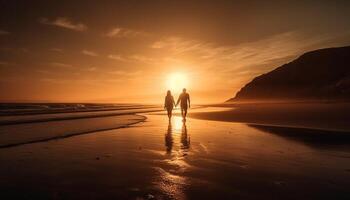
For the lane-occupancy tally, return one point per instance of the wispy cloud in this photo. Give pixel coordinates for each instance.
(180, 45)
(4, 63)
(56, 49)
(83, 81)
(125, 33)
(2, 32)
(256, 56)
(142, 58)
(54, 80)
(46, 72)
(60, 65)
(116, 57)
(91, 69)
(64, 23)
(89, 53)
(15, 49)
(133, 58)
(125, 73)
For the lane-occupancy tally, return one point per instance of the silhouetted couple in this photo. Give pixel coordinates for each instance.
(184, 100)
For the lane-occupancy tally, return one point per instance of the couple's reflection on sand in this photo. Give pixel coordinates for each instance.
(173, 131)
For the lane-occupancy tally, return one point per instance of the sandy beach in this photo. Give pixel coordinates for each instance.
(307, 115)
(198, 159)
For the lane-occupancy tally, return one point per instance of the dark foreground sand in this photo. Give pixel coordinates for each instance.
(199, 159)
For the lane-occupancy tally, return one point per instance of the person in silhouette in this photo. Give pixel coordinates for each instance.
(183, 99)
(169, 103)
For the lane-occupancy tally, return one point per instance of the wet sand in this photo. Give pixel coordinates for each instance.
(198, 159)
(311, 115)
(24, 133)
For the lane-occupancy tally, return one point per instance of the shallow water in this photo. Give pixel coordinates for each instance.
(23, 133)
(35, 118)
(196, 159)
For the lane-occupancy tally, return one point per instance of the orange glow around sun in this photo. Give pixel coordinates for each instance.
(176, 82)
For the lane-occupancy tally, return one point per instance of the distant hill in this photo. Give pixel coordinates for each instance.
(321, 74)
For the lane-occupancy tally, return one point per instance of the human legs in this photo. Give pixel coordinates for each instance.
(170, 113)
(183, 111)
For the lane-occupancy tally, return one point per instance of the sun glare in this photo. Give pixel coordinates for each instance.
(177, 81)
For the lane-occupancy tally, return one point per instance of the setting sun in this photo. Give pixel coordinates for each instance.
(176, 81)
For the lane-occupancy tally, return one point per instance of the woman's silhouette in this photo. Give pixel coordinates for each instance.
(169, 104)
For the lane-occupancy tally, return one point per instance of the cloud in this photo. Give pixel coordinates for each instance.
(82, 81)
(256, 56)
(116, 57)
(54, 80)
(5, 63)
(125, 73)
(180, 45)
(14, 49)
(2, 32)
(134, 58)
(125, 33)
(91, 69)
(64, 23)
(141, 58)
(44, 72)
(56, 49)
(60, 65)
(89, 53)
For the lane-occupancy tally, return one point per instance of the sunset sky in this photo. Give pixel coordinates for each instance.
(133, 51)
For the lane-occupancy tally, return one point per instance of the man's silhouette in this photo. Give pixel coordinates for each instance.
(183, 99)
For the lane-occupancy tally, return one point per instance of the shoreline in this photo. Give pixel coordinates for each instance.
(61, 132)
(27, 119)
(326, 117)
(276, 125)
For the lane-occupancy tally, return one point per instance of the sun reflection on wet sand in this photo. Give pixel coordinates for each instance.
(178, 124)
(177, 135)
(177, 143)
